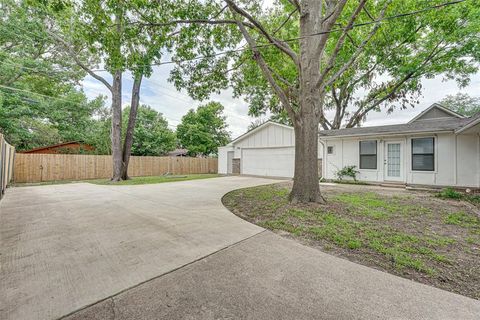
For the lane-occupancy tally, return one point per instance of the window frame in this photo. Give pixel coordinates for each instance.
(333, 149)
(367, 154)
(423, 154)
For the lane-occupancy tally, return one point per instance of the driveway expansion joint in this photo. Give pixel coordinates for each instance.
(112, 297)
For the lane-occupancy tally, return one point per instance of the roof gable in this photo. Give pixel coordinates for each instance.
(257, 129)
(436, 111)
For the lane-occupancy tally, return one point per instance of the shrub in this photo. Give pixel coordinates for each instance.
(347, 171)
(450, 193)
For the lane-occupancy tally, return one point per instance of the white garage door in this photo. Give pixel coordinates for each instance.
(272, 162)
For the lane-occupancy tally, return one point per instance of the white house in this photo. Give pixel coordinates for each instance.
(268, 150)
(438, 147)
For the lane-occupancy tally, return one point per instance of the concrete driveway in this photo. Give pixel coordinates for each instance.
(172, 251)
(64, 247)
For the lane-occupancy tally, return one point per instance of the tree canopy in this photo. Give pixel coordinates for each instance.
(39, 101)
(203, 130)
(333, 62)
(462, 103)
(386, 72)
(151, 136)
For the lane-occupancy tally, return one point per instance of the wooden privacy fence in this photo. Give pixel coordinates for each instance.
(7, 155)
(49, 167)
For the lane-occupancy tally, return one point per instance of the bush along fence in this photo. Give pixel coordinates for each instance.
(54, 167)
(7, 155)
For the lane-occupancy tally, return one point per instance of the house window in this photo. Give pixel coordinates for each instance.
(368, 154)
(330, 149)
(423, 156)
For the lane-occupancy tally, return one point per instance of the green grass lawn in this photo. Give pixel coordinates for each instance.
(153, 179)
(132, 181)
(411, 234)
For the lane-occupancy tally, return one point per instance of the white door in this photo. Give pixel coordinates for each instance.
(393, 161)
(270, 162)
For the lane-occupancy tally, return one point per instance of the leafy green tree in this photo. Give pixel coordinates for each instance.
(203, 130)
(98, 133)
(462, 103)
(307, 56)
(39, 101)
(151, 136)
(110, 33)
(94, 32)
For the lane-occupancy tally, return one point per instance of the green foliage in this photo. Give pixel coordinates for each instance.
(347, 171)
(386, 75)
(403, 250)
(203, 130)
(450, 193)
(39, 101)
(372, 205)
(463, 219)
(403, 233)
(462, 103)
(151, 136)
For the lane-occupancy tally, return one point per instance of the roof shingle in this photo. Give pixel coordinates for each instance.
(442, 124)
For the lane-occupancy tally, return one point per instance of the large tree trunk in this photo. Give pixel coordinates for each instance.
(117, 126)
(127, 145)
(305, 183)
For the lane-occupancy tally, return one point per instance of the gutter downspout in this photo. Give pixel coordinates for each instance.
(455, 160)
(478, 154)
(324, 160)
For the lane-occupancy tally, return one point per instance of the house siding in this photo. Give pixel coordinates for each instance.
(267, 151)
(270, 136)
(434, 114)
(223, 159)
(456, 160)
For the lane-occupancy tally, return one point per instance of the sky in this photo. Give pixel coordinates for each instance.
(161, 95)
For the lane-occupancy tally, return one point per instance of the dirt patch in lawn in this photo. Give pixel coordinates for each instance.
(412, 234)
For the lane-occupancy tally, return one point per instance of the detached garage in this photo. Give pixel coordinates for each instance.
(268, 150)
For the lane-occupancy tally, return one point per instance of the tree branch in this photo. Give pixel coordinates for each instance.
(279, 77)
(284, 22)
(295, 3)
(328, 23)
(266, 71)
(74, 55)
(357, 52)
(341, 40)
(191, 21)
(360, 113)
(283, 46)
